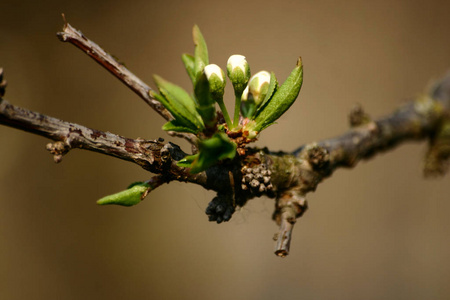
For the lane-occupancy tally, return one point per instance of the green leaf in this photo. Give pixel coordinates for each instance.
(273, 85)
(187, 161)
(213, 150)
(128, 197)
(189, 63)
(180, 99)
(201, 91)
(208, 114)
(201, 52)
(206, 104)
(174, 126)
(280, 102)
(179, 113)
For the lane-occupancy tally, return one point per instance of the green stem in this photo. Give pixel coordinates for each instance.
(237, 109)
(225, 113)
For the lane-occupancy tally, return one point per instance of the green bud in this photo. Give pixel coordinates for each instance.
(216, 79)
(129, 197)
(238, 71)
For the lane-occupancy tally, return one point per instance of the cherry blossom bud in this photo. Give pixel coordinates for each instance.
(255, 93)
(238, 71)
(216, 79)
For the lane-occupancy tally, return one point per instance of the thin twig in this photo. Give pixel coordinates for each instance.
(289, 206)
(145, 153)
(78, 39)
(152, 155)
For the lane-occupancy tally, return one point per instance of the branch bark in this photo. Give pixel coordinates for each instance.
(145, 153)
(427, 117)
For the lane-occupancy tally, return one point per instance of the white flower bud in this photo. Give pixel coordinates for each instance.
(258, 86)
(214, 69)
(237, 61)
(238, 71)
(216, 79)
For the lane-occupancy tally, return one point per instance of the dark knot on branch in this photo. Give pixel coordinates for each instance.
(317, 156)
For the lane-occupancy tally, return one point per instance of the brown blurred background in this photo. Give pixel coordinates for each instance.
(377, 231)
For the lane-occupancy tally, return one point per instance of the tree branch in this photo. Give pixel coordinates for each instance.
(152, 155)
(428, 117)
(288, 177)
(76, 38)
(145, 153)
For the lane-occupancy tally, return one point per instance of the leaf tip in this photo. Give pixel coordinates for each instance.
(196, 33)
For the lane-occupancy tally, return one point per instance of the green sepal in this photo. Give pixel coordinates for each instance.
(174, 126)
(201, 52)
(239, 79)
(213, 150)
(273, 85)
(216, 87)
(189, 63)
(129, 197)
(280, 102)
(179, 99)
(179, 113)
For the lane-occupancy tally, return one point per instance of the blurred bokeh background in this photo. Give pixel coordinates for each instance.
(379, 230)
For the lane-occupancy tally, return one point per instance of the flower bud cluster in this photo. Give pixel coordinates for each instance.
(259, 102)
